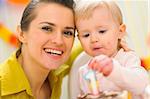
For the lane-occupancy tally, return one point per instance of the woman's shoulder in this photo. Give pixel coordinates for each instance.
(10, 59)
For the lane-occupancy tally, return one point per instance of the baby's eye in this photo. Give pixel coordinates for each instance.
(86, 35)
(68, 33)
(47, 28)
(102, 31)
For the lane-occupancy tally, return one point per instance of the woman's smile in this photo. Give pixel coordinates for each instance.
(54, 53)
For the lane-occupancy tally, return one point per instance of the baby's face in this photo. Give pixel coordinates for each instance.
(99, 34)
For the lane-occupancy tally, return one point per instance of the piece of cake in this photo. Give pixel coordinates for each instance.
(106, 95)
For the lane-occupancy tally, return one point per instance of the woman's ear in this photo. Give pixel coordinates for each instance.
(122, 31)
(21, 35)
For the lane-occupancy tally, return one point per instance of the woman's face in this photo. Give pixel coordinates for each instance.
(49, 39)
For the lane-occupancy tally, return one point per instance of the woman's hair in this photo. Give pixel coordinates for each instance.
(84, 9)
(29, 13)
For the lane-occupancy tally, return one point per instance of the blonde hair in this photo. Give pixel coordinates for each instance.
(84, 9)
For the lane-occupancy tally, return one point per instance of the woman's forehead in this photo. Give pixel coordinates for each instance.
(54, 13)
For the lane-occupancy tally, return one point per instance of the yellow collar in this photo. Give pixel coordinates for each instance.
(13, 78)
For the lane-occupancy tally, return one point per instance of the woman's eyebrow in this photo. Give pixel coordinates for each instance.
(48, 23)
(52, 24)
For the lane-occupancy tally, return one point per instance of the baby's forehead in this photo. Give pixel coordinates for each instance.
(91, 11)
(86, 11)
(99, 14)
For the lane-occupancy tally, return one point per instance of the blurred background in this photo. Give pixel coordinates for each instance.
(135, 14)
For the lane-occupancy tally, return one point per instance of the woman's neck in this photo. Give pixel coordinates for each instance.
(35, 73)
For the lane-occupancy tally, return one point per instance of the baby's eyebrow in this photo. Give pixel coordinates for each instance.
(83, 31)
(70, 28)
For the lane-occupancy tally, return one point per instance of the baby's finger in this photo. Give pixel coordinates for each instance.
(107, 70)
(107, 67)
(91, 64)
(96, 66)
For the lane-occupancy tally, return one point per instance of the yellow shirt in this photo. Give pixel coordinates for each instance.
(15, 85)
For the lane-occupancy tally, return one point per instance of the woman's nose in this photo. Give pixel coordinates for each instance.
(58, 39)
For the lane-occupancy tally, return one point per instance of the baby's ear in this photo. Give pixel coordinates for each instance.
(122, 31)
(20, 34)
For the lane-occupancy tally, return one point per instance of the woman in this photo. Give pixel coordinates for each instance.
(46, 34)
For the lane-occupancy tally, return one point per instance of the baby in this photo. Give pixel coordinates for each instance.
(100, 30)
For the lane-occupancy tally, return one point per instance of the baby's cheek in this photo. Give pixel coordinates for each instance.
(110, 44)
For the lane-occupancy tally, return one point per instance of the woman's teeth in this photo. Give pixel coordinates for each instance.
(57, 52)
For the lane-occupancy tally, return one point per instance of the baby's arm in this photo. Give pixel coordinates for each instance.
(128, 75)
(131, 76)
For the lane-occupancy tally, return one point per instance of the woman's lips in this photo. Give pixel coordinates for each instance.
(53, 51)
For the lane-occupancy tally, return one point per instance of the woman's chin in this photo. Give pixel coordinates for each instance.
(52, 66)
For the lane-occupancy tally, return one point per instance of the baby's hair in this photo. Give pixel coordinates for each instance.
(84, 9)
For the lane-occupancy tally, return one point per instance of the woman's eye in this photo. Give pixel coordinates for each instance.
(102, 31)
(68, 33)
(47, 28)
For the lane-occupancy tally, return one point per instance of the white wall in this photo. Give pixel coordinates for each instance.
(135, 14)
(10, 16)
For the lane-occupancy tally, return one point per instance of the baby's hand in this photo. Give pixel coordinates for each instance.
(102, 64)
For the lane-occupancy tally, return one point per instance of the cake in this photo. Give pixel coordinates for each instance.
(106, 95)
